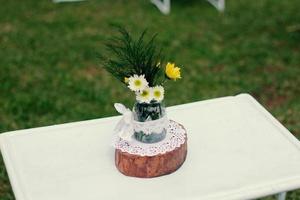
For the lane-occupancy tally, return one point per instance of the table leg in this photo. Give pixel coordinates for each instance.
(62, 1)
(163, 5)
(281, 196)
(219, 4)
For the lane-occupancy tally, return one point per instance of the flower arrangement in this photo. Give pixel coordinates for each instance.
(138, 64)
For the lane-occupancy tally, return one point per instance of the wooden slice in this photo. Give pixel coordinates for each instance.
(150, 166)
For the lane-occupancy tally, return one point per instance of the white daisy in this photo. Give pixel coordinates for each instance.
(158, 93)
(144, 96)
(137, 83)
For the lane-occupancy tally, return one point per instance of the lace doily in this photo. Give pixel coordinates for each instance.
(155, 126)
(176, 136)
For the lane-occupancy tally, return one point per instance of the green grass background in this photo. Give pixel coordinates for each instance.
(50, 74)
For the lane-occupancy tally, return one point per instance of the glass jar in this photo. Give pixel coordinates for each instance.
(150, 121)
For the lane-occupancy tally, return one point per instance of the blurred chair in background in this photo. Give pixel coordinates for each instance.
(165, 5)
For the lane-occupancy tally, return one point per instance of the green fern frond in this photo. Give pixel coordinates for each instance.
(129, 56)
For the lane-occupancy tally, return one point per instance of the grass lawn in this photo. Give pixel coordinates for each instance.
(49, 72)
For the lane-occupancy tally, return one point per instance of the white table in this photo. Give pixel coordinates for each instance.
(236, 150)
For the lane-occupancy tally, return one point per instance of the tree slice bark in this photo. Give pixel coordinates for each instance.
(150, 166)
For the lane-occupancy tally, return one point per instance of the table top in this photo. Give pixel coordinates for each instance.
(236, 150)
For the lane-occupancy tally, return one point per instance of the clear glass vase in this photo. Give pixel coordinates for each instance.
(153, 112)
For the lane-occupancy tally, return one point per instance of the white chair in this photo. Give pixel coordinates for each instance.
(165, 5)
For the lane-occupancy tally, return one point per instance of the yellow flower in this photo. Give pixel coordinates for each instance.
(126, 80)
(172, 71)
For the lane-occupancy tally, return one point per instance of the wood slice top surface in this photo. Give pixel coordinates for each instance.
(156, 165)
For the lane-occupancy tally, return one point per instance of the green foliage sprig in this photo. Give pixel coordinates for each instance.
(129, 56)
